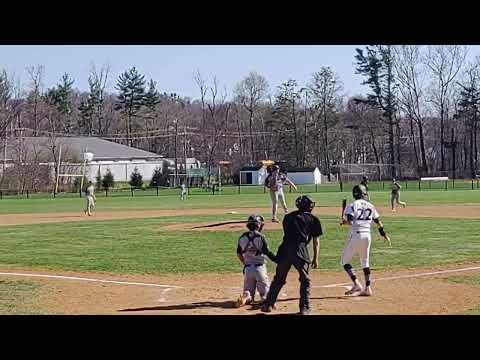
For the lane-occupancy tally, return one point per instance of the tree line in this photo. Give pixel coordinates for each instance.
(418, 117)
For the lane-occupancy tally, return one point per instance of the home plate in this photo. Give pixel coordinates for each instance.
(232, 212)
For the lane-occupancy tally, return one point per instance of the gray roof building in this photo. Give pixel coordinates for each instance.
(103, 150)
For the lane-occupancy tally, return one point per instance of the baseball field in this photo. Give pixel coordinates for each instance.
(144, 255)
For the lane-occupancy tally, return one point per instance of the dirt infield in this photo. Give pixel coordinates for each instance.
(409, 291)
(447, 211)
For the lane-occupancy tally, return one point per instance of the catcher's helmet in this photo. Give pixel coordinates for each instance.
(255, 222)
(359, 192)
(305, 203)
(365, 178)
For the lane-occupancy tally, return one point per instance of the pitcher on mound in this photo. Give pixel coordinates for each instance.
(274, 182)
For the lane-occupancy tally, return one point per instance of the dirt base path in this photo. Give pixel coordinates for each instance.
(447, 211)
(408, 291)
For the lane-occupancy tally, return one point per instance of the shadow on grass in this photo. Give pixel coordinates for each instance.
(228, 304)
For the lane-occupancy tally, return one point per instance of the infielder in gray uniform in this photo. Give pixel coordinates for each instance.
(251, 250)
(275, 181)
(395, 196)
(183, 195)
(90, 198)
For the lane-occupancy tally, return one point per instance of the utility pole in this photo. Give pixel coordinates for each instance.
(452, 145)
(185, 148)
(175, 153)
(58, 169)
(305, 133)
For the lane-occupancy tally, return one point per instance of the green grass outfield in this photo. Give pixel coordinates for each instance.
(73, 204)
(141, 246)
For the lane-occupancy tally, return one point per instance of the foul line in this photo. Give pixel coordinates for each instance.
(91, 280)
(405, 276)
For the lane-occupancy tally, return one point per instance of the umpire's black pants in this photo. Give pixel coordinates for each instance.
(283, 267)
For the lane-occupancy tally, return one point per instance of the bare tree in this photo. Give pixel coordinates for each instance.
(410, 73)
(98, 81)
(326, 87)
(444, 63)
(203, 91)
(468, 109)
(35, 74)
(250, 92)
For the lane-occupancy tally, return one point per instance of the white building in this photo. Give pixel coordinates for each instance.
(253, 175)
(120, 159)
(307, 175)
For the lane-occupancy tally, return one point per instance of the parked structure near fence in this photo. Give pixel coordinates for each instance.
(306, 175)
(120, 159)
(253, 175)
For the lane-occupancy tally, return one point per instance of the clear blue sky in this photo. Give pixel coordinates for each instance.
(173, 66)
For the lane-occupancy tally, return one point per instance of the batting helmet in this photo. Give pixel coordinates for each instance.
(359, 192)
(305, 203)
(255, 222)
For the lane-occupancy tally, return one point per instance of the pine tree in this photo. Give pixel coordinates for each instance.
(136, 180)
(377, 66)
(151, 100)
(152, 96)
(98, 181)
(60, 98)
(131, 87)
(157, 178)
(108, 181)
(86, 117)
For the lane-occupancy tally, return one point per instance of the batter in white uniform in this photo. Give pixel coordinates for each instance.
(360, 215)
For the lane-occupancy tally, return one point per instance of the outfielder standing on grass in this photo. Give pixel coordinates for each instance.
(360, 214)
(183, 195)
(90, 198)
(395, 196)
(275, 181)
(299, 227)
(251, 250)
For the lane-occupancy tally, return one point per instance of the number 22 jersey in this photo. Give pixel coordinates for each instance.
(363, 213)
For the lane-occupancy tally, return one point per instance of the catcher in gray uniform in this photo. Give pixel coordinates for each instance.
(251, 250)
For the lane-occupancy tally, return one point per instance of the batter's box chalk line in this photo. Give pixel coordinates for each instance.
(432, 273)
(75, 278)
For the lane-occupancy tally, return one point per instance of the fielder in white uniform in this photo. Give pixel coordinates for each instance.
(275, 181)
(91, 199)
(360, 214)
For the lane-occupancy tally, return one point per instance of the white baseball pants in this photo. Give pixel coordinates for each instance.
(359, 243)
(277, 196)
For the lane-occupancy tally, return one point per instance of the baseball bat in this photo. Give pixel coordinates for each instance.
(220, 224)
(344, 205)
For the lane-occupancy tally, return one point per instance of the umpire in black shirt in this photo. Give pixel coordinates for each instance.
(299, 228)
